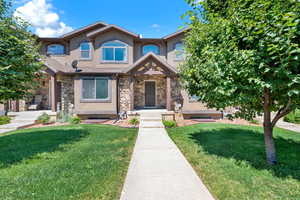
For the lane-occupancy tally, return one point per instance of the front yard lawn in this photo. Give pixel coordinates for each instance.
(65, 163)
(230, 159)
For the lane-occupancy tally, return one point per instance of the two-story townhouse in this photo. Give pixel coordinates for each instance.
(102, 70)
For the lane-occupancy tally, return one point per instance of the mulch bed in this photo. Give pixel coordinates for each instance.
(189, 122)
(126, 124)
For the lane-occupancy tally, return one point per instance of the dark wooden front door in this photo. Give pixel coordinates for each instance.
(150, 94)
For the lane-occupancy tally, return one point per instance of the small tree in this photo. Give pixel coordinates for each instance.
(245, 54)
(19, 56)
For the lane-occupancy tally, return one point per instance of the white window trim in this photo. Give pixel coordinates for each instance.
(90, 51)
(151, 44)
(175, 50)
(63, 54)
(114, 47)
(106, 100)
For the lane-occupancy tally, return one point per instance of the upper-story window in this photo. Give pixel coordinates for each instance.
(179, 51)
(114, 51)
(85, 50)
(151, 48)
(56, 49)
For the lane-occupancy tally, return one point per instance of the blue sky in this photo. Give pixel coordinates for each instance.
(155, 18)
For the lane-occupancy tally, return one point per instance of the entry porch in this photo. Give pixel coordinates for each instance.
(149, 84)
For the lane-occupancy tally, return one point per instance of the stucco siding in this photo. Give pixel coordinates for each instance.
(95, 107)
(171, 50)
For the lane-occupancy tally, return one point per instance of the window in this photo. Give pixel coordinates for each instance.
(194, 98)
(55, 49)
(95, 88)
(114, 51)
(150, 48)
(85, 50)
(179, 51)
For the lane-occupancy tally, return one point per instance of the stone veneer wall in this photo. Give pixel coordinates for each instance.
(139, 91)
(124, 87)
(176, 96)
(67, 94)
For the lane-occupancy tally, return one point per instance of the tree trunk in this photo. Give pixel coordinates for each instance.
(6, 108)
(268, 130)
(269, 143)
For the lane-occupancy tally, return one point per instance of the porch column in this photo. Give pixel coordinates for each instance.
(53, 93)
(168, 93)
(132, 93)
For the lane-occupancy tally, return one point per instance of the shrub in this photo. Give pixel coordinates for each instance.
(44, 119)
(75, 120)
(169, 123)
(63, 117)
(4, 120)
(293, 117)
(254, 121)
(134, 121)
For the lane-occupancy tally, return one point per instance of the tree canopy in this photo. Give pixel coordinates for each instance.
(245, 54)
(19, 56)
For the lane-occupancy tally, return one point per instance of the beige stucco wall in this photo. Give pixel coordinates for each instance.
(138, 49)
(95, 107)
(73, 50)
(171, 50)
(189, 105)
(96, 55)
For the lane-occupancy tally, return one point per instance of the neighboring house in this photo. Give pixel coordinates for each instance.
(117, 71)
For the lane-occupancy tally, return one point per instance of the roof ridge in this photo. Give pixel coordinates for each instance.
(83, 28)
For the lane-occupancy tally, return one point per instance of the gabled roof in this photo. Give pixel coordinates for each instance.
(153, 56)
(83, 29)
(176, 33)
(57, 67)
(75, 32)
(109, 27)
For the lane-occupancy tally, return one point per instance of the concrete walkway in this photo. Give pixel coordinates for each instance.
(158, 170)
(22, 119)
(288, 126)
(283, 124)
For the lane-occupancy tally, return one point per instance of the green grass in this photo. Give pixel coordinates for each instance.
(230, 159)
(67, 162)
(293, 117)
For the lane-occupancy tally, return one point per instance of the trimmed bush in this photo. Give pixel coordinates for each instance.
(4, 120)
(75, 120)
(63, 117)
(134, 121)
(293, 117)
(169, 123)
(44, 119)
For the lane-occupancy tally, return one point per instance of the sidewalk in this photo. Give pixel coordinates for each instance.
(158, 170)
(288, 126)
(21, 119)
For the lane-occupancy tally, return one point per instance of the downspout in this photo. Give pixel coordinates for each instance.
(118, 96)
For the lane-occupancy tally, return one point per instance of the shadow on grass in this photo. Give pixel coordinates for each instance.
(248, 145)
(28, 143)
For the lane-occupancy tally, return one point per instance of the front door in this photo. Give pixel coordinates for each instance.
(150, 94)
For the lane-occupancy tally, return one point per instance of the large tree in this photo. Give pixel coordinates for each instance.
(19, 56)
(245, 54)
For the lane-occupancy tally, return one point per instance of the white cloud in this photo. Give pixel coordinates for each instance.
(40, 15)
(155, 26)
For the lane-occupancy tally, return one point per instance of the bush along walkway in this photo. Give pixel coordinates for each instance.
(158, 170)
